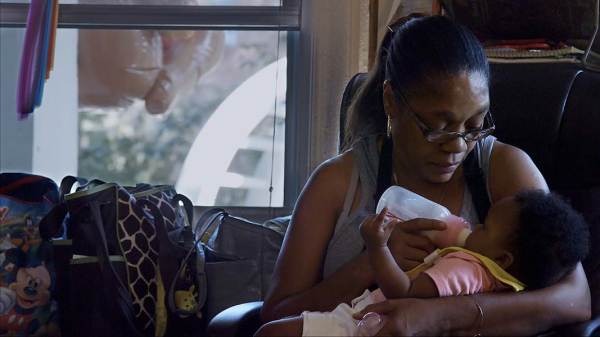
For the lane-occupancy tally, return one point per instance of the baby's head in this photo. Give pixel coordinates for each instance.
(536, 236)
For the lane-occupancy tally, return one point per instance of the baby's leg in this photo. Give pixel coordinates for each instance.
(291, 326)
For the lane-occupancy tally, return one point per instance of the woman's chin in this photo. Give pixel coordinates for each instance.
(440, 178)
(440, 174)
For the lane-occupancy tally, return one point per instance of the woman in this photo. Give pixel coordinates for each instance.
(423, 110)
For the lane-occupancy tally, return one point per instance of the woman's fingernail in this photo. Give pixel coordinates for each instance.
(369, 324)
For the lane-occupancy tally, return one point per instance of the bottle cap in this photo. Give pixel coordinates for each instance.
(461, 240)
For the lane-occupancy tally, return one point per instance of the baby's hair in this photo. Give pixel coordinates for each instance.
(551, 237)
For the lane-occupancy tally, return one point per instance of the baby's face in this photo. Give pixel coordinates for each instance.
(493, 238)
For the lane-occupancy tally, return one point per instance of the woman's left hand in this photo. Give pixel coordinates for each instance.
(406, 317)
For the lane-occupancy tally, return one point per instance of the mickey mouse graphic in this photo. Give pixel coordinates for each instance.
(31, 289)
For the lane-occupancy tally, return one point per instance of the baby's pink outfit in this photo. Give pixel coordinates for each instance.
(456, 273)
(460, 273)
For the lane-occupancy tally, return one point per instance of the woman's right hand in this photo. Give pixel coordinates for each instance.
(408, 316)
(408, 245)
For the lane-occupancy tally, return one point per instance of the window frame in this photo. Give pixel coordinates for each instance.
(286, 17)
(189, 17)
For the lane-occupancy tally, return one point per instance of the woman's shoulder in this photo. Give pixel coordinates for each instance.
(512, 171)
(336, 171)
(322, 198)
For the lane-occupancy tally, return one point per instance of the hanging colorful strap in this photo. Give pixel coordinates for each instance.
(24, 101)
(37, 56)
(43, 56)
(52, 38)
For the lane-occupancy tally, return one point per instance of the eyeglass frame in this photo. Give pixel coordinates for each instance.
(447, 136)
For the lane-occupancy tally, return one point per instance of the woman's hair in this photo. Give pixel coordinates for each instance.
(415, 48)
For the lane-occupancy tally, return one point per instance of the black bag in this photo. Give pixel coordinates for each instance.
(525, 19)
(240, 256)
(122, 257)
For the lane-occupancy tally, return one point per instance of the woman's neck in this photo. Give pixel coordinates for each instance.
(448, 193)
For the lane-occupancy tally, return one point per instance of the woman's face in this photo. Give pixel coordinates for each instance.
(450, 103)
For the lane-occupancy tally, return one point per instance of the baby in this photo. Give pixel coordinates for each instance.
(532, 240)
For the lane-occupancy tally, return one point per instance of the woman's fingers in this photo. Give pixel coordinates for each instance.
(419, 224)
(419, 242)
(402, 242)
(415, 255)
(387, 330)
(407, 265)
(409, 250)
(380, 308)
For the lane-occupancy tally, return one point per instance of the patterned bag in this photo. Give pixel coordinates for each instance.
(27, 280)
(116, 249)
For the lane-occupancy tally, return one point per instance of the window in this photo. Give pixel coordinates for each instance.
(226, 138)
(166, 2)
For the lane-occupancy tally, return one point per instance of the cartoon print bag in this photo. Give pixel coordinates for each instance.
(27, 280)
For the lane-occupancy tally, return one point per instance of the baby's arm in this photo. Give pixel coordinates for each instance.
(392, 280)
(423, 287)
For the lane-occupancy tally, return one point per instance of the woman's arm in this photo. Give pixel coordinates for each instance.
(508, 314)
(532, 312)
(512, 171)
(297, 280)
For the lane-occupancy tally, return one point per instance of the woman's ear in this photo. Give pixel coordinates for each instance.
(505, 259)
(389, 100)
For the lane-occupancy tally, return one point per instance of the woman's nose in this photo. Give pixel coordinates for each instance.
(457, 145)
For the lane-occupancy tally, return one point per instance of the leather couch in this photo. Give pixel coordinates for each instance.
(551, 111)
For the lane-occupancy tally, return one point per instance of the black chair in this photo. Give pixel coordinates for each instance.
(552, 111)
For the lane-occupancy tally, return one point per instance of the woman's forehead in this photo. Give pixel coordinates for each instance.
(463, 93)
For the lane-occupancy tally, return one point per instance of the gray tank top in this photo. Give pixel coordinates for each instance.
(346, 241)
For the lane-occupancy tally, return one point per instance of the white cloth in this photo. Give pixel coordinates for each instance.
(338, 322)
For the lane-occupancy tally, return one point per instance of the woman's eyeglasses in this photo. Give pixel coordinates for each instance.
(441, 136)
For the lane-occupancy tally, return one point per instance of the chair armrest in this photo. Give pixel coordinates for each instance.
(240, 320)
(585, 329)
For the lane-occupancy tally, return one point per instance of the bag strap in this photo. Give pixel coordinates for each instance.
(201, 274)
(114, 286)
(187, 205)
(67, 183)
(201, 280)
(51, 224)
(170, 252)
(207, 223)
(205, 226)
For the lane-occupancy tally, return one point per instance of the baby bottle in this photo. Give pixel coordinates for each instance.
(406, 205)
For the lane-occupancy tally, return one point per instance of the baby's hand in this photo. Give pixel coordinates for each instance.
(376, 230)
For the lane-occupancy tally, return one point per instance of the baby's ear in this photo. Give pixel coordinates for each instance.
(505, 259)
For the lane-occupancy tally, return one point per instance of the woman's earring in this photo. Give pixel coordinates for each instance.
(389, 127)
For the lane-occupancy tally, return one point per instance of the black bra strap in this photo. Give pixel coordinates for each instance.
(476, 181)
(384, 173)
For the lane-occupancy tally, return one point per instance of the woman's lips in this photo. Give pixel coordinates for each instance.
(445, 168)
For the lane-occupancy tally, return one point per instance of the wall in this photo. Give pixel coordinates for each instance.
(33, 145)
(332, 34)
